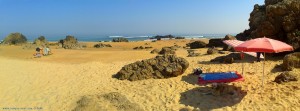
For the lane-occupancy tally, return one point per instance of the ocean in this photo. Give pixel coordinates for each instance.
(129, 37)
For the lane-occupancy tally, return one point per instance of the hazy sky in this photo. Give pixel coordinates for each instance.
(119, 17)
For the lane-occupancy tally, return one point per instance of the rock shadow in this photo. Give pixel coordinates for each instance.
(277, 68)
(204, 98)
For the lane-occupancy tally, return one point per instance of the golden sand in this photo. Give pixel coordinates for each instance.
(58, 81)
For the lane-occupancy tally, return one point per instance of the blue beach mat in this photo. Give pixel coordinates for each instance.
(218, 76)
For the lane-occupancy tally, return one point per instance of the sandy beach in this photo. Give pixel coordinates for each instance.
(56, 82)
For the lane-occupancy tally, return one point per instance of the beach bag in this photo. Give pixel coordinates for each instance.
(197, 71)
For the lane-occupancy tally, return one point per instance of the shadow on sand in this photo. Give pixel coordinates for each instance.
(204, 98)
(191, 79)
(277, 68)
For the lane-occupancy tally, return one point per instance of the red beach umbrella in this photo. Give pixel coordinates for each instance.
(265, 45)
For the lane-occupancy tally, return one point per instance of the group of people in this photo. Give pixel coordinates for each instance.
(42, 51)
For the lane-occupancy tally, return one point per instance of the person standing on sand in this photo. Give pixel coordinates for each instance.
(258, 56)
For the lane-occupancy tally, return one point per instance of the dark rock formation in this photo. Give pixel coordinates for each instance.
(70, 42)
(159, 37)
(165, 66)
(101, 45)
(226, 47)
(277, 19)
(120, 39)
(196, 44)
(15, 38)
(227, 59)
(291, 61)
(243, 36)
(40, 41)
(285, 77)
(167, 50)
(107, 102)
(212, 51)
(155, 51)
(191, 53)
(179, 37)
(215, 43)
(149, 47)
(140, 47)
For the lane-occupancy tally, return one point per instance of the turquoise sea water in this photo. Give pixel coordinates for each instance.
(129, 37)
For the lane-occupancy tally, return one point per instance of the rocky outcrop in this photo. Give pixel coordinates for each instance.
(155, 51)
(120, 39)
(277, 19)
(215, 43)
(243, 36)
(113, 101)
(70, 42)
(159, 37)
(167, 50)
(165, 66)
(291, 61)
(15, 38)
(141, 47)
(196, 44)
(285, 77)
(192, 53)
(101, 45)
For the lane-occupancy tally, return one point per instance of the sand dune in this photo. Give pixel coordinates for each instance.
(58, 81)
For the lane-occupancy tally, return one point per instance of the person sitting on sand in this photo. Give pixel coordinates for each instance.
(48, 50)
(45, 50)
(37, 53)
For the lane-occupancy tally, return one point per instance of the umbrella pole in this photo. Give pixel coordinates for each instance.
(242, 53)
(263, 70)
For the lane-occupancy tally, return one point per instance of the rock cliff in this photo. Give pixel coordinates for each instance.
(277, 19)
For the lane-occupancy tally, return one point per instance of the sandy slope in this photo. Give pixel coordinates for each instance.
(57, 82)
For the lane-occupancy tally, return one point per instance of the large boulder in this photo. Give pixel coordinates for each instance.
(277, 19)
(15, 38)
(120, 39)
(285, 77)
(165, 66)
(70, 42)
(113, 101)
(196, 44)
(167, 50)
(215, 43)
(291, 61)
(40, 41)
